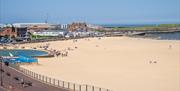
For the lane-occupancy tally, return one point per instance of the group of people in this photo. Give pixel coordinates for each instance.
(152, 62)
(62, 53)
(58, 53)
(45, 47)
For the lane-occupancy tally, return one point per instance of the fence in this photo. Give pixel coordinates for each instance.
(59, 83)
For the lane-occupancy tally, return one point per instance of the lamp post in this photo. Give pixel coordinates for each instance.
(1, 60)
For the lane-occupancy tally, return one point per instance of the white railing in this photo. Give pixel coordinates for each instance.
(59, 83)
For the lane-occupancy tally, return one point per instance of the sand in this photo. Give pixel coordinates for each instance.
(116, 63)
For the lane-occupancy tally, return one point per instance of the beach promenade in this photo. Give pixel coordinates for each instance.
(12, 80)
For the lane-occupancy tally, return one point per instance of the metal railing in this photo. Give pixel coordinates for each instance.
(59, 83)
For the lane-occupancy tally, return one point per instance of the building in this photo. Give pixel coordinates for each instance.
(64, 26)
(22, 32)
(17, 33)
(8, 31)
(32, 26)
(54, 27)
(1, 26)
(78, 26)
(52, 33)
(25, 29)
(90, 26)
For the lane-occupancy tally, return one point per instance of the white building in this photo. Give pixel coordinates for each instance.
(64, 26)
(23, 25)
(94, 26)
(1, 25)
(5, 25)
(53, 33)
(79, 34)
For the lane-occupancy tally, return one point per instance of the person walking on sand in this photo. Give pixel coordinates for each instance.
(66, 53)
(76, 47)
(170, 46)
(150, 62)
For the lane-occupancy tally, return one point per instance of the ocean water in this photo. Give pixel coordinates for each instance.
(167, 35)
(159, 35)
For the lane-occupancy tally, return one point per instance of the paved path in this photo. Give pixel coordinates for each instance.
(2, 89)
(15, 85)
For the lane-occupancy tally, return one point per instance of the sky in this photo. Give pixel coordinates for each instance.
(90, 11)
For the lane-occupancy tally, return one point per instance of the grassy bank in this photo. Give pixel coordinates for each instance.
(160, 27)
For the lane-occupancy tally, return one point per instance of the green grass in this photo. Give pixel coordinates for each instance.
(137, 28)
(169, 25)
(158, 27)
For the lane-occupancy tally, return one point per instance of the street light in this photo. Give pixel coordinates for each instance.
(1, 60)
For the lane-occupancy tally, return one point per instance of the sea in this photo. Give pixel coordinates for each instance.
(157, 35)
(166, 35)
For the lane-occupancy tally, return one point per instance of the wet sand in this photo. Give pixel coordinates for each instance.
(116, 63)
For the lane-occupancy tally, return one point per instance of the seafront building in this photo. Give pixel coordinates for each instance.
(91, 26)
(76, 26)
(27, 31)
(32, 26)
(64, 26)
(52, 33)
(8, 32)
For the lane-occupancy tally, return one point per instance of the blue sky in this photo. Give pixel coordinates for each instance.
(91, 11)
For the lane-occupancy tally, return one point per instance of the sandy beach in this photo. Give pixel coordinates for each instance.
(116, 63)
